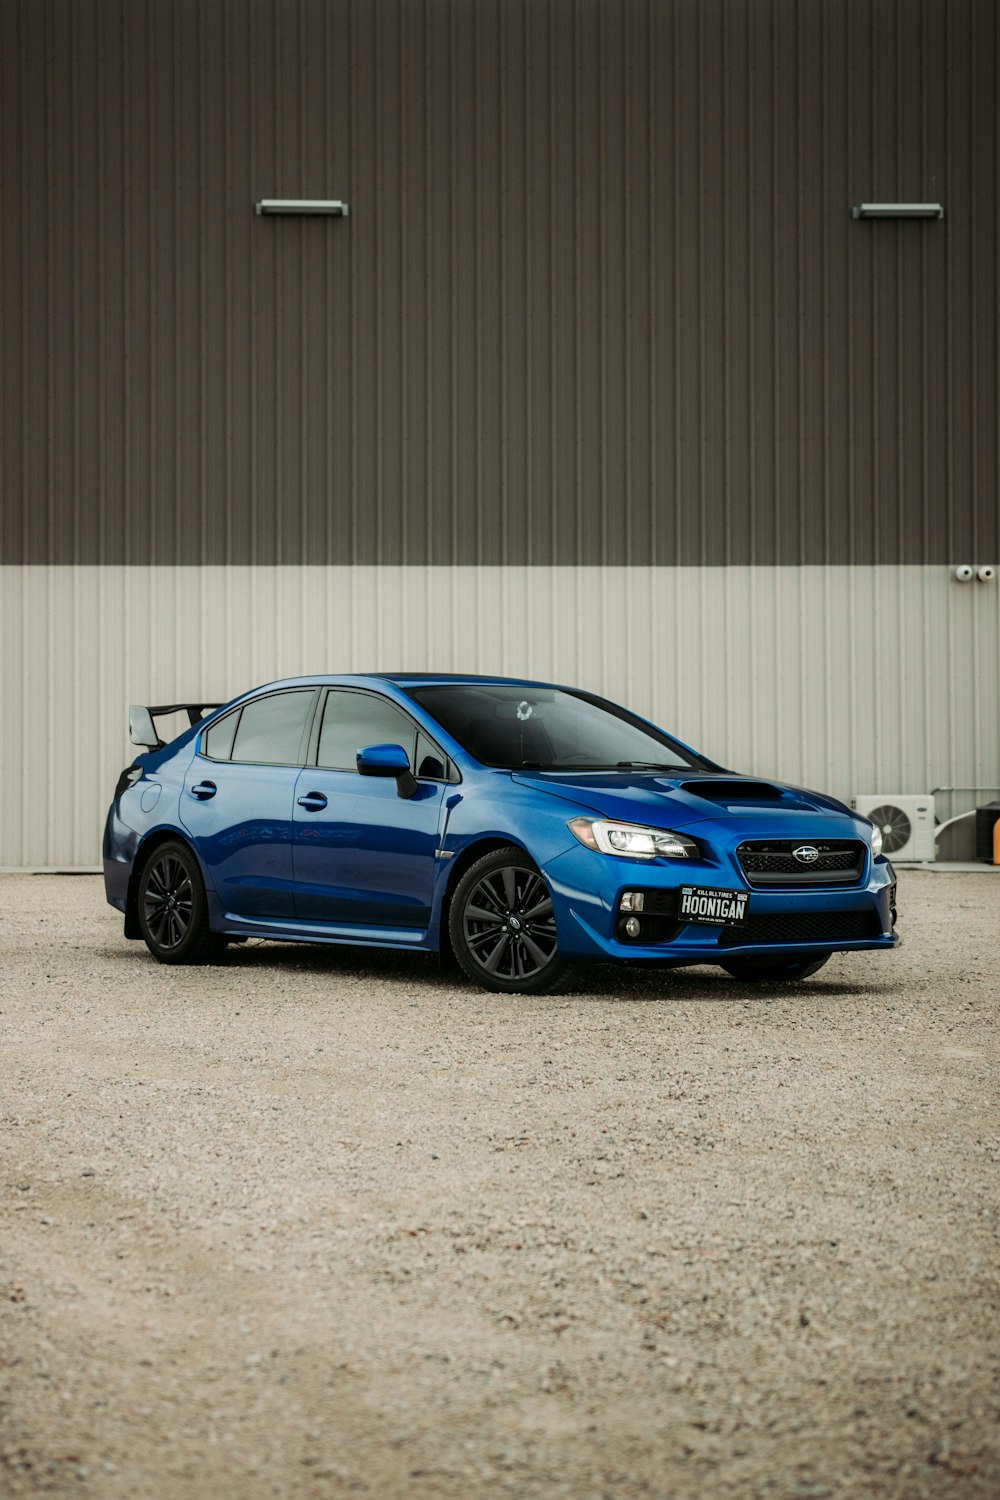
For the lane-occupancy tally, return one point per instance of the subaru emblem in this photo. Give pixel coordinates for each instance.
(806, 854)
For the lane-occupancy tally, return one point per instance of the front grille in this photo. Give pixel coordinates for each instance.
(803, 927)
(772, 862)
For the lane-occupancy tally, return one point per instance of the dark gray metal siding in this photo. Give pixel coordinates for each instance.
(600, 298)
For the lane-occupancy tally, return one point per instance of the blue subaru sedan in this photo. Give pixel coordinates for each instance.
(514, 827)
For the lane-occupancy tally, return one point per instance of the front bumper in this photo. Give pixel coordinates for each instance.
(587, 888)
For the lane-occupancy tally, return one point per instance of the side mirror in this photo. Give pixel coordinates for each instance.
(388, 760)
(140, 727)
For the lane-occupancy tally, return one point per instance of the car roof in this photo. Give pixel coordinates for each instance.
(405, 680)
(443, 679)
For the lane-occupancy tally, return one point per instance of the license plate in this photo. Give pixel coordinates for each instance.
(703, 903)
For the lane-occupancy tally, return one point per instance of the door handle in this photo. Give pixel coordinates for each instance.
(313, 801)
(204, 790)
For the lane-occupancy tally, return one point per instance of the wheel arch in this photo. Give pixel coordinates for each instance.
(144, 853)
(456, 870)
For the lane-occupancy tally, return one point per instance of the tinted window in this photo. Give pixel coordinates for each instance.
(218, 741)
(548, 728)
(270, 729)
(352, 721)
(430, 763)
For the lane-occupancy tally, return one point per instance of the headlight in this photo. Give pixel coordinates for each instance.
(876, 841)
(631, 840)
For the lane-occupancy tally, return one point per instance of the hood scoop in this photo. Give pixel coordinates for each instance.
(733, 791)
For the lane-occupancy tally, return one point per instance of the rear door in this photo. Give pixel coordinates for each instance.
(237, 801)
(363, 855)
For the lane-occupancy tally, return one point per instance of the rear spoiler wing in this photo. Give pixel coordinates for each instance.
(141, 729)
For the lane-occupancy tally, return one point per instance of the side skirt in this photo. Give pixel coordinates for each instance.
(326, 932)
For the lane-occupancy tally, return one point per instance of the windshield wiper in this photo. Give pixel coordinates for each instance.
(568, 767)
(565, 767)
(648, 765)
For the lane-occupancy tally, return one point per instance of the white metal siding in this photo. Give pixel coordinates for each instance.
(841, 678)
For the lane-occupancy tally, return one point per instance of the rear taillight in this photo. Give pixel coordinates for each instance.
(128, 778)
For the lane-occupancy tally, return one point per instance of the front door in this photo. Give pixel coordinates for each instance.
(363, 855)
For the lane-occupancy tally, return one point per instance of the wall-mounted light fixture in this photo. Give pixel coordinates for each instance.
(303, 206)
(898, 211)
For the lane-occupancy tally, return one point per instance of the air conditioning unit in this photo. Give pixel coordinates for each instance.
(907, 824)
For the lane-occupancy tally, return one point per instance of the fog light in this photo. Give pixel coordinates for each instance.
(631, 901)
(632, 927)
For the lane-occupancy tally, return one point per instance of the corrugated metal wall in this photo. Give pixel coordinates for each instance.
(850, 679)
(600, 298)
(600, 379)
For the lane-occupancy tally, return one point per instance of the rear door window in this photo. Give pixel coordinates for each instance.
(270, 730)
(217, 742)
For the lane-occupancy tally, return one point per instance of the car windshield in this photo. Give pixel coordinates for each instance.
(550, 729)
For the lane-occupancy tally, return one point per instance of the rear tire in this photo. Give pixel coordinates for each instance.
(502, 926)
(774, 971)
(172, 907)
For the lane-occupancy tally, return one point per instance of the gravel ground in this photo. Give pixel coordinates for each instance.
(320, 1222)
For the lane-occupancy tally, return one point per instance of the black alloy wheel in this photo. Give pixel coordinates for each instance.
(503, 927)
(772, 970)
(172, 907)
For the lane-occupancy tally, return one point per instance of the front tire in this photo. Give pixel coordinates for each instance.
(503, 927)
(173, 908)
(771, 971)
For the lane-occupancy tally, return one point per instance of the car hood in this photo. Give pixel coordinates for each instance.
(674, 801)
